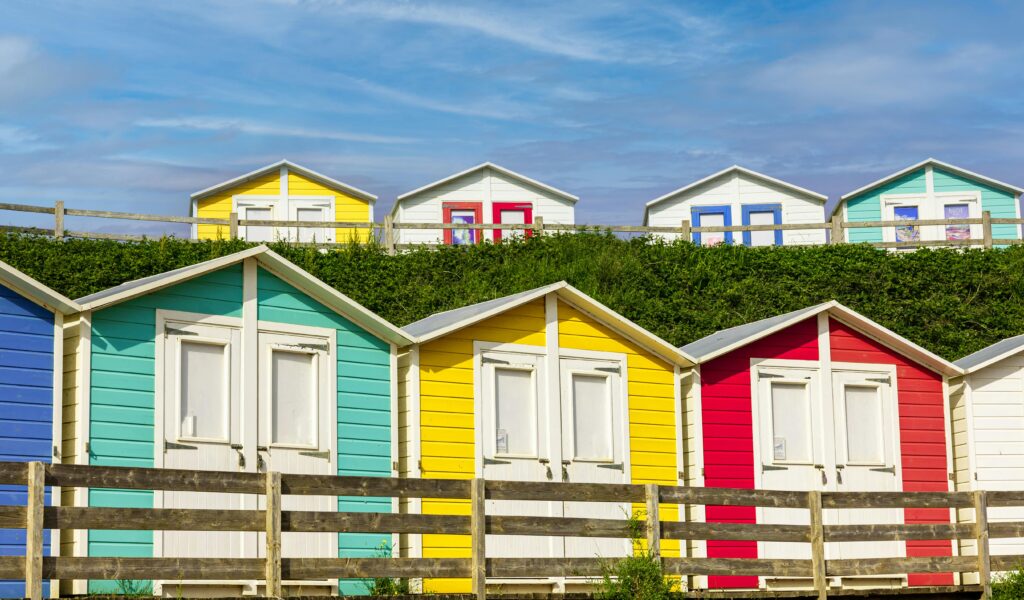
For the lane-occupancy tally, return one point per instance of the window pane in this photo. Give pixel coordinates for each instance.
(907, 233)
(204, 390)
(513, 217)
(592, 416)
(791, 423)
(515, 412)
(259, 233)
(957, 232)
(762, 238)
(864, 439)
(294, 398)
(309, 234)
(712, 220)
(463, 236)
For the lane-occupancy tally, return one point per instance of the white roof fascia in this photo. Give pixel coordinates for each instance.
(487, 165)
(37, 292)
(496, 310)
(330, 182)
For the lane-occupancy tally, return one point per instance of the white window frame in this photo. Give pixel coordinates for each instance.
(327, 203)
(320, 385)
(231, 386)
(240, 203)
(930, 207)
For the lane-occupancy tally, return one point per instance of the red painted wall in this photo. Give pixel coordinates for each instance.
(922, 433)
(729, 434)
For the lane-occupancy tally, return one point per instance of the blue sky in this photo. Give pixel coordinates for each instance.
(134, 105)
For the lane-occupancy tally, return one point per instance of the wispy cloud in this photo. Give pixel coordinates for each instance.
(254, 128)
(17, 140)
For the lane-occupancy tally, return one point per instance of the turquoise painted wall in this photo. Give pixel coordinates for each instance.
(122, 392)
(868, 206)
(364, 404)
(1000, 203)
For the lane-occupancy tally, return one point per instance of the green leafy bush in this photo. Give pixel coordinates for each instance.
(386, 586)
(636, 577)
(1009, 585)
(950, 301)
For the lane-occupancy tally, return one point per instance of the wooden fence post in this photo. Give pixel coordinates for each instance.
(981, 535)
(817, 544)
(538, 226)
(273, 560)
(684, 231)
(233, 226)
(653, 520)
(34, 531)
(836, 237)
(986, 229)
(389, 234)
(58, 219)
(478, 537)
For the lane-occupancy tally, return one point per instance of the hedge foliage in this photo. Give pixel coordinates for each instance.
(952, 302)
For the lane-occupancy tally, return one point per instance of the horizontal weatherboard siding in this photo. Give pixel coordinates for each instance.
(1000, 203)
(868, 206)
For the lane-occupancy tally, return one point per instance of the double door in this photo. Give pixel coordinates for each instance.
(569, 428)
(285, 424)
(838, 434)
(311, 209)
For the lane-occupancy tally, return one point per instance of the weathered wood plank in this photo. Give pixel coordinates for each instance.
(13, 473)
(478, 537)
(358, 568)
(309, 521)
(565, 492)
(131, 478)
(30, 208)
(152, 568)
(545, 567)
(557, 526)
(273, 537)
(921, 222)
(680, 530)
(981, 533)
(153, 519)
(896, 500)
(896, 532)
(737, 566)
(12, 517)
(1006, 562)
(817, 538)
(331, 485)
(995, 498)
(34, 530)
(12, 567)
(58, 219)
(108, 214)
(653, 520)
(895, 566)
(732, 497)
(1010, 529)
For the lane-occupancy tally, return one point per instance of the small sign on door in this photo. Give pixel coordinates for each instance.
(779, 448)
(501, 442)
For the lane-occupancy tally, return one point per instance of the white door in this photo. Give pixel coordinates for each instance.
(593, 432)
(259, 210)
(865, 453)
(517, 444)
(296, 423)
(316, 211)
(792, 449)
(201, 428)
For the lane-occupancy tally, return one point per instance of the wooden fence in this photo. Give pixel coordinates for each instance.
(386, 232)
(34, 567)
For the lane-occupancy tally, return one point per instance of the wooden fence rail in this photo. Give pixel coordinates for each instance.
(386, 231)
(34, 517)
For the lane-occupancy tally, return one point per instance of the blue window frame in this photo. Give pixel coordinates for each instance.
(697, 212)
(774, 209)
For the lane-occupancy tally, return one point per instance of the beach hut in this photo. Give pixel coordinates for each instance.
(740, 196)
(31, 375)
(242, 363)
(284, 191)
(930, 189)
(824, 399)
(987, 409)
(544, 385)
(486, 193)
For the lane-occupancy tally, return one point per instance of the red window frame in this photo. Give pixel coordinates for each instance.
(526, 207)
(478, 217)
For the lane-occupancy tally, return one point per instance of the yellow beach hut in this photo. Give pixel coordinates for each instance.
(284, 191)
(544, 385)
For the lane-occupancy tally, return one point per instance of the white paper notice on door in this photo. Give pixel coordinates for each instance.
(779, 448)
(501, 442)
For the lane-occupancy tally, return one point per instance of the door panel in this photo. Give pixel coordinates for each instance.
(312, 211)
(296, 421)
(517, 437)
(201, 416)
(512, 213)
(593, 434)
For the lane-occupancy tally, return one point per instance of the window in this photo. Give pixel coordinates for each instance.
(512, 213)
(712, 216)
(907, 233)
(515, 399)
(957, 211)
(294, 395)
(259, 233)
(791, 423)
(204, 392)
(462, 212)
(593, 432)
(762, 214)
(864, 429)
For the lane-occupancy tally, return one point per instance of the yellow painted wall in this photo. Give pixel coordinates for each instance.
(346, 207)
(448, 441)
(650, 384)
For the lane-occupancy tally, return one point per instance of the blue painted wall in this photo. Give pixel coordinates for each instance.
(26, 405)
(364, 404)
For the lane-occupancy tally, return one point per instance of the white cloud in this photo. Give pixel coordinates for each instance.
(251, 128)
(17, 140)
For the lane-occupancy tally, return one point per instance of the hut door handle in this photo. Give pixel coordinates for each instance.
(316, 453)
(177, 446)
(891, 470)
(773, 468)
(824, 477)
(495, 461)
(616, 466)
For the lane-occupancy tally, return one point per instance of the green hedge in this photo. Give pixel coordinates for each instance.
(952, 302)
